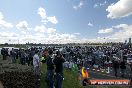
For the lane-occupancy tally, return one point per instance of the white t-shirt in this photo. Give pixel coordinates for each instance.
(36, 60)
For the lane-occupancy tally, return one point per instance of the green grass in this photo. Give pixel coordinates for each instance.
(70, 80)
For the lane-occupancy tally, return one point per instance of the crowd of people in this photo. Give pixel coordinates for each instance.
(36, 57)
(113, 57)
(116, 57)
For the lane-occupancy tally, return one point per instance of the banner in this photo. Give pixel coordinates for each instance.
(109, 82)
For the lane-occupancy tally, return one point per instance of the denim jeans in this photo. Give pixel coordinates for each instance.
(37, 72)
(59, 79)
(49, 78)
(116, 71)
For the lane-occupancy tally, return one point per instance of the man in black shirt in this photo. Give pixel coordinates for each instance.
(58, 61)
(123, 68)
(50, 68)
(116, 66)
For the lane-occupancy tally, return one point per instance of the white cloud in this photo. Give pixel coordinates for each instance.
(44, 21)
(1, 16)
(121, 26)
(62, 38)
(51, 38)
(120, 9)
(43, 29)
(123, 34)
(23, 32)
(96, 5)
(8, 34)
(100, 4)
(90, 24)
(51, 30)
(28, 38)
(40, 35)
(4, 24)
(67, 36)
(105, 31)
(76, 33)
(40, 29)
(52, 20)
(75, 7)
(81, 3)
(42, 13)
(119, 36)
(45, 18)
(23, 25)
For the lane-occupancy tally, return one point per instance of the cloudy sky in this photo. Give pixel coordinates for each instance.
(65, 21)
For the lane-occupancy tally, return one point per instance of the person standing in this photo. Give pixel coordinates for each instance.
(31, 54)
(3, 53)
(116, 66)
(27, 61)
(58, 61)
(50, 67)
(22, 56)
(13, 56)
(36, 64)
(123, 68)
(130, 69)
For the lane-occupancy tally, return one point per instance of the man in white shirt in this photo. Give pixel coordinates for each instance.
(36, 64)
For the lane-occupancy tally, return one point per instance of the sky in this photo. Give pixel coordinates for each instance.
(65, 21)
